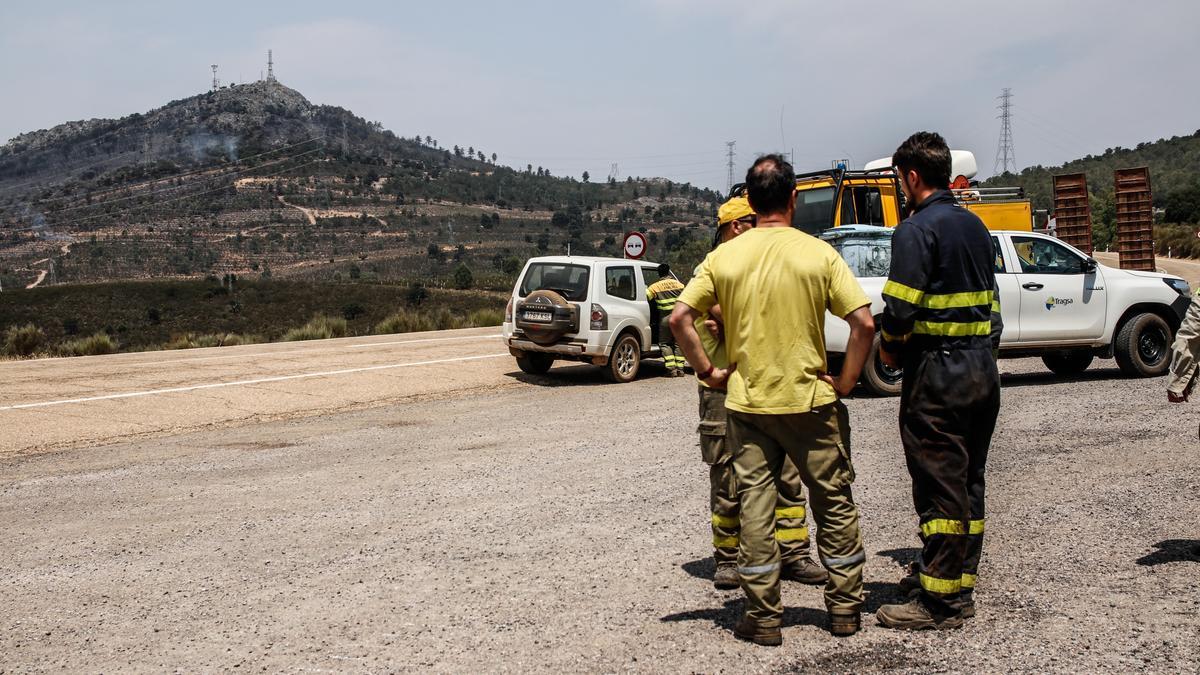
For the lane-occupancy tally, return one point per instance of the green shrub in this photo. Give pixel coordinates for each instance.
(463, 279)
(405, 321)
(444, 319)
(485, 317)
(99, 343)
(23, 340)
(320, 327)
(194, 341)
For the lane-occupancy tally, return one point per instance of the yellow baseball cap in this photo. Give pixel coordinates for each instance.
(734, 209)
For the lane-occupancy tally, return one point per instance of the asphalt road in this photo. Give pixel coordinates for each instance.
(389, 508)
(1182, 267)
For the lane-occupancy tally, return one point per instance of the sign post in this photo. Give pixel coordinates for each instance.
(635, 245)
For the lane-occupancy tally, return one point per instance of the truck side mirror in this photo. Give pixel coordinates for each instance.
(1089, 266)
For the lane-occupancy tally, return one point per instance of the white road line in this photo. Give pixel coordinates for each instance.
(281, 352)
(409, 342)
(216, 385)
(317, 350)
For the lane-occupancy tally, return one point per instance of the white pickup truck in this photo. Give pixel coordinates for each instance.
(578, 308)
(1057, 303)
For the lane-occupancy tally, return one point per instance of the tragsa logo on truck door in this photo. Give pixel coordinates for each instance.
(1052, 301)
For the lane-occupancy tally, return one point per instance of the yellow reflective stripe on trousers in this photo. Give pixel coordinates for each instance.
(902, 292)
(725, 542)
(940, 586)
(791, 534)
(789, 512)
(942, 526)
(968, 581)
(725, 522)
(975, 527)
(953, 328)
(956, 300)
(895, 338)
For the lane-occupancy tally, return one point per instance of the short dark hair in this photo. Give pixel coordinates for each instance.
(770, 184)
(926, 153)
(664, 269)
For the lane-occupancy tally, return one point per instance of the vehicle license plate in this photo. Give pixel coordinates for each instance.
(537, 316)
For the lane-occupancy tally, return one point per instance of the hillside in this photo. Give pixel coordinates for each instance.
(1174, 176)
(257, 181)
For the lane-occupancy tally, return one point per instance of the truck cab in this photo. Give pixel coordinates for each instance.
(838, 196)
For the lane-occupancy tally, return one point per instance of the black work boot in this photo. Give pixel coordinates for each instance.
(915, 615)
(843, 624)
(726, 577)
(747, 629)
(805, 571)
(912, 581)
(967, 603)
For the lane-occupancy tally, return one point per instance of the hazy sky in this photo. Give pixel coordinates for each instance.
(654, 86)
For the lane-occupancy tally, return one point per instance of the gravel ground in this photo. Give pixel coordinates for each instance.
(563, 527)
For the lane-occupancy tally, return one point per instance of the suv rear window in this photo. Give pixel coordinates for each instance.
(570, 281)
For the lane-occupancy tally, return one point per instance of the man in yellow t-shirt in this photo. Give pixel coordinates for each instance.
(775, 284)
(791, 531)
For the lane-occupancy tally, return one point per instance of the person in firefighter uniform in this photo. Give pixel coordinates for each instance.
(941, 323)
(662, 295)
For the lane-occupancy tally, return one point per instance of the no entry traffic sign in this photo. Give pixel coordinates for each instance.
(635, 245)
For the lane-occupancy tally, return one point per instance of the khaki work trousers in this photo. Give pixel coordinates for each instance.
(818, 442)
(791, 530)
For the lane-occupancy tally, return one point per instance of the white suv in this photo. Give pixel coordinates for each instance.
(588, 309)
(1057, 303)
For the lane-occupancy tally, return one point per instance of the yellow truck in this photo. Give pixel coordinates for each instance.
(872, 196)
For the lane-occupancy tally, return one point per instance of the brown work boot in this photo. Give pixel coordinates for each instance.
(805, 571)
(726, 577)
(768, 636)
(914, 615)
(842, 624)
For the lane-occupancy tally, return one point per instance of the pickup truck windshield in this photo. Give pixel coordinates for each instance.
(814, 210)
(569, 281)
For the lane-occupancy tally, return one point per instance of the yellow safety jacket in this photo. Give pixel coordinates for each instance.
(663, 294)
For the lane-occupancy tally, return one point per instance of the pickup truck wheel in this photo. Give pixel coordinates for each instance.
(879, 379)
(1143, 346)
(626, 360)
(1071, 362)
(534, 363)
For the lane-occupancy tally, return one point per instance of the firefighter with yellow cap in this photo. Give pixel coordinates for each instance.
(733, 218)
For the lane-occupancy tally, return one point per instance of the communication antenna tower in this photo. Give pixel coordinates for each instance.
(729, 156)
(614, 172)
(270, 67)
(216, 83)
(1006, 157)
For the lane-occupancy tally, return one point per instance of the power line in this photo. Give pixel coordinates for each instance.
(1006, 158)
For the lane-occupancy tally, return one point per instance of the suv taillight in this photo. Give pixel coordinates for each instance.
(508, 312)
(599, 318)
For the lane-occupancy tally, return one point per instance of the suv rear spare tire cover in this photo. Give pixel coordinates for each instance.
(557, 317)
